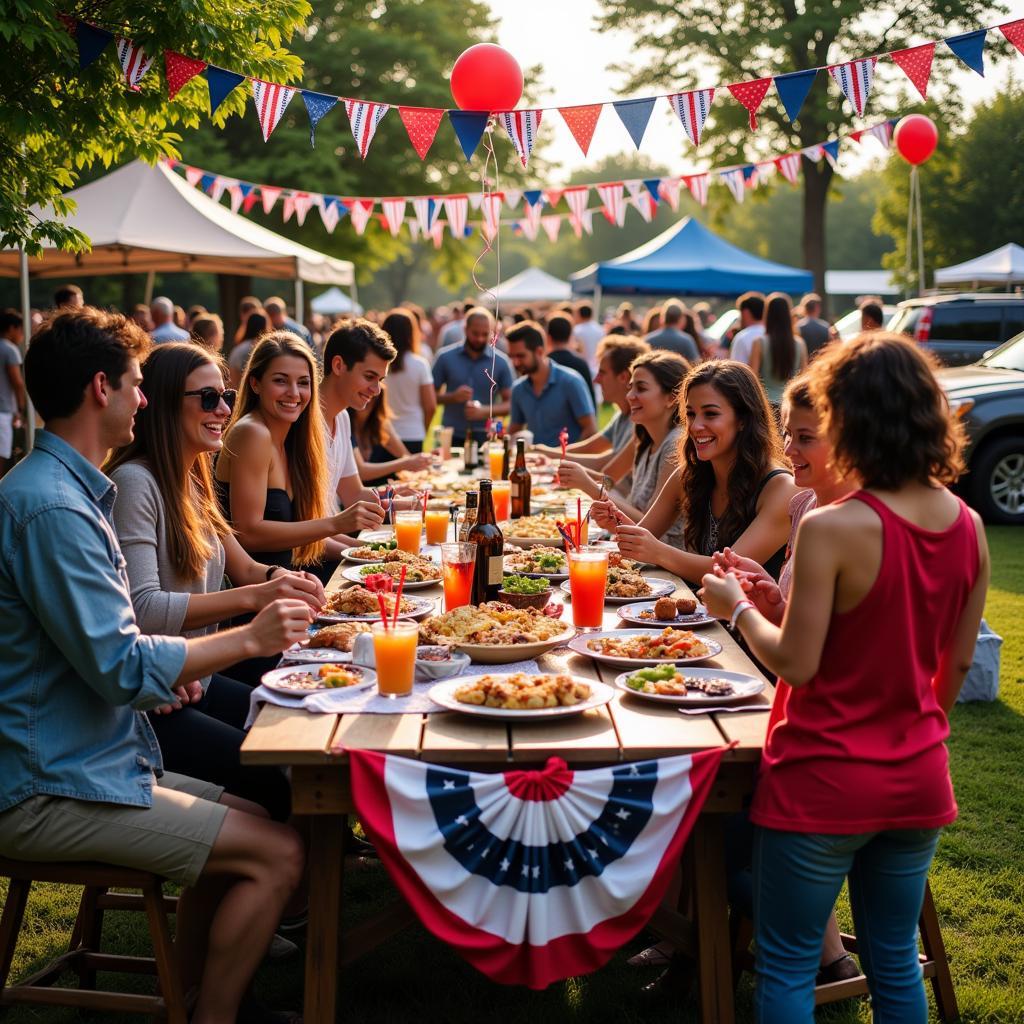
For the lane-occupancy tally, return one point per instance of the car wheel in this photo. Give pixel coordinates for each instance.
(996, 482)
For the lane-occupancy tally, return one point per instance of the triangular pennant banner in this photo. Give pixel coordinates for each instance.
(236, 198)
(855, 79)
(456, 208)
(180, 71)
(469, 127)
(421, 124)
(414, 230)
(635, 114)
(644, 205)
(750, 175)
(92, 41)
(633, 187)
(582, 121)
(613, 202)
(394, 214)
(521, 126)
(437, 234)
(692, 109)
(916, 64)
(533, 197)
(751, 95)
(330, 216)
(1014, 32)
(670, 191)
(970, 48)
(134, 62)
(513, 196)
(269, 194)
(551, 226)
(653, 186)
(529, 228)
(221, 83)
(737, 186)
(587, 220)
(303, 202)
(576, 198)
(250, 201)
(831, 152)
(246, 189)
(552, 196)
(360, 214)
(206, 181)
(217, 189)
(424, 210)
(492, 214)
(814, 153)
(793, 89)
(789, 167)
(698, 186)
(287, 207)
(882, 132)
(271, 99)
(475, 199)
(317, 105)
(364, 118)
(193, 175)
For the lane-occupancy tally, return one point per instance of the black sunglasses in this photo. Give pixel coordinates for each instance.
(210, 398)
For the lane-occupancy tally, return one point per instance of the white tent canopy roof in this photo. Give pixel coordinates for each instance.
(860, 282)
(141, 218)
(332, 301)
(530, 285)
(1004, 265)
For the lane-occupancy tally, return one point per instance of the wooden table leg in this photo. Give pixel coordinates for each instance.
(326, 865)
(711, 909)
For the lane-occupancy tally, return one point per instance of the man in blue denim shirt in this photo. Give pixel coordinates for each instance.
(80, 773)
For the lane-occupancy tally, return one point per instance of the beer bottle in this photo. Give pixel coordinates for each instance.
(521, 482)
(470, 517)
(484, 533)
(469, 453)
(507, 442)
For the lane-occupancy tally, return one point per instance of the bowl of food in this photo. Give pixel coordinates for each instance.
(439, 661)
(525, 592)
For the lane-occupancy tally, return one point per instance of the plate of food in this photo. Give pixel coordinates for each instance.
(538, 561)
(354, 604)
(532, 531)
(627, 585)
(521, 696)
(494, 633)
(370, 551)
(366, 553)
(300, 682)
(326, 643)
(423, 572)
(627, 647)
(694, 686)
(667, 611)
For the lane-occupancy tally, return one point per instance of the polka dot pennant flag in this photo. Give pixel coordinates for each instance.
(916, 64)
(751, 95)
(1014, 32)
(421, 123)
(180, 71)
(582, 121)
(318, 105)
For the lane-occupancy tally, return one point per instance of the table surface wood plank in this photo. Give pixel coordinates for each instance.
(288, 736)
(391, 734)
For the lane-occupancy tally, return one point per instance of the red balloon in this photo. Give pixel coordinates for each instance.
(916, 138)
(486, 77)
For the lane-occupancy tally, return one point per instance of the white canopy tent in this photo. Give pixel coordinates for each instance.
(530, 285)
(333, 302)
(1003, 266)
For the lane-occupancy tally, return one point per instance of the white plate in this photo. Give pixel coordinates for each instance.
(376, 536)
(631, 613)
(579, 645)
(421, 608)
(273, 681)
(659, 588)
(502, 654)
(355, 574)
(444, 694)
(431, 551)
(744, 687)
(554, 577)
(314, 656)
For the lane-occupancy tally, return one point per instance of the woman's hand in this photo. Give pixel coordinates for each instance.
(278, 626)
(572, 474)
(758, 585)
(188, 693)
(363, 515)
(721, 591)
(640, 544)
(420, 461)
(607, 515)
(727, 559)
(291, 585)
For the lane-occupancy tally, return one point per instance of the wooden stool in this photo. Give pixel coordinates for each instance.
(934, 964)
(83, 956)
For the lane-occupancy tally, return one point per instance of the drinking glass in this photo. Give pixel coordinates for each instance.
(501, 493)
(496, 459)
(437, 525)
(458, 560)
(394, 648)
(588, 577)
(447, 433)
(408, 530)
(570, 516)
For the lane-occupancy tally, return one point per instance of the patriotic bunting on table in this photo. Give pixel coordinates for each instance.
(271, 100)
(789, 167)
(364, 118)
(576, 199)
(970, 48)
(180, 71)
(469, 128)
(134, 62)
(737, 185)
(360, 213)
(521, 126)
(221, 84)
(456, 208)
(92, 41)
(269, 193)
(793, 89)
(692, 109)
(551, 226)
(613, 203)
(751, 95)
(394, 214)
(1014, 32)
(855, 80)
(635, 114)
(317, 105)
(916, 64)
(582, 121)
(421, 124)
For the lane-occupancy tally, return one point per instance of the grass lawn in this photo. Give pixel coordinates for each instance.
(977, 881)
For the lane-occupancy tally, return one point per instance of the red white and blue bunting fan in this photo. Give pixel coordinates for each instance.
(271, 100)
(521, 126)
(692, 109)
(364, 118)
(855, 79)
(134, 62)
(532, 876)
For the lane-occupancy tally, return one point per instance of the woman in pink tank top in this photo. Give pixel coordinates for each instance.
(887, 594)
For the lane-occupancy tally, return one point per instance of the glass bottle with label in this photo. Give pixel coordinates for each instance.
(469, 454)
(490, 544)
(521, 483)
(469, 518)
(507, 441)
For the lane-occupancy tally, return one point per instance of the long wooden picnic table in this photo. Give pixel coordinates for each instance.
(313, 747)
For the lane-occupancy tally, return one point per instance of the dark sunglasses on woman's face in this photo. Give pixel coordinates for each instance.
(210, 398)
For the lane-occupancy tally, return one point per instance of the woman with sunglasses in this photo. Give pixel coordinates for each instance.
(178, 548)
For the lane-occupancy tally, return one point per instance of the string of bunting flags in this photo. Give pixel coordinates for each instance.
(854, 78)
(426, 221)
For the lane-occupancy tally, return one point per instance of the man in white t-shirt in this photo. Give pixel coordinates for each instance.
(587, 333)
(751, 307)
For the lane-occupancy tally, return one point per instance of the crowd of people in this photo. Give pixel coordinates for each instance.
(808, 501)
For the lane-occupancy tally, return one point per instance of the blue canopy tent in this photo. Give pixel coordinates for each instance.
(688, 259)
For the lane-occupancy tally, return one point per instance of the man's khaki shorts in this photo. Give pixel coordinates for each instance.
(172, 838)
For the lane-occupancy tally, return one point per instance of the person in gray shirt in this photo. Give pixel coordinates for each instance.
(672, 337)
(812, 328)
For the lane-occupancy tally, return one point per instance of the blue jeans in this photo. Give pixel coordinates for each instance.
(797, 877)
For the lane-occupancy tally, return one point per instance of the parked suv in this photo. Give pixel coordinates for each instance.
(989, 398)
(960, 329)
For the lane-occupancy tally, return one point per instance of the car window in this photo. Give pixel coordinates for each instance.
(1013, 322)
(975, 321)
(1009, 356)
(905, 320)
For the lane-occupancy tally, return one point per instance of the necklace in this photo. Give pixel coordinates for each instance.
(712, 531)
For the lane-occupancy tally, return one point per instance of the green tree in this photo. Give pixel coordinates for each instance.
(725, 41)
(56, 120)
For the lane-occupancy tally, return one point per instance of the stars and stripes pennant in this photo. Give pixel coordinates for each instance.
(268, 195)
(394, 214)
(916, 64)
(669, 190)
(491, 208)
(532, 876)
(751, 95)
(855, 79)
(576, 198)
(421, 123)
(92, 41)
(692, 109)
(364, 117)
(789, 167)
(737, 186)
(698, 186)
(456, 208)
(581, 122)
(634, 115)
(513, 197)
(221, 84)
(271, 100)
(551, 226)
(521, 126)
(180, 70)
(469, 128)
(883, 133)
(969, 47)
(318, 104)
(1014, 33)
(587, 220)
(134, 62)
(613, 202)
(193, 175)
(360, 212)
(426, 210)
(793, 89)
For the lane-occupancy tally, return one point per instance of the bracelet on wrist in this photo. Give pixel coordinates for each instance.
(738, 609)
(271, 569)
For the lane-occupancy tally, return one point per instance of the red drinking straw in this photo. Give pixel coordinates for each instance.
(398, 596)
(566, 536)
(383, 610)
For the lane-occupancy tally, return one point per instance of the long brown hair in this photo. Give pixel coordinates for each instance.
(371, 425)
(758, 447)
(192, 515)
(778, 333)
(304, 444)
(402, 327)
(668, 370)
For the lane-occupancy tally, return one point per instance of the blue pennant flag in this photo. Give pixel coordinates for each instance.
(92, 42)
(831, 150)
(206, 181)
(469, 126)
(793, 89)
(533, 196)
(635, 114)
(432, 211)
(749, 171)
(970, 48)
(221, 83)
(653, 184)
(245, 188)
(317, 104)
(342, 208)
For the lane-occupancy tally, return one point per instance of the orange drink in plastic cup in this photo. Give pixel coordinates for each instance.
(394, 648)
(408, 528)
(501, 493)
(458, 560)
(588, 577)
(437, 525)
(496, 460)
(570, 517)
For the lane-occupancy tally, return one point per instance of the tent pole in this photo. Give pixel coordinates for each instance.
(26, 318)
(300, 302)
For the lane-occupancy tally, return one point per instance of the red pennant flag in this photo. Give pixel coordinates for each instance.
(421, 124)
(552, 195)
(916, 63)
(1014, 32)
(751, 95)
(250, 201)
(180, 71)
(582, 121)
(856, 136)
